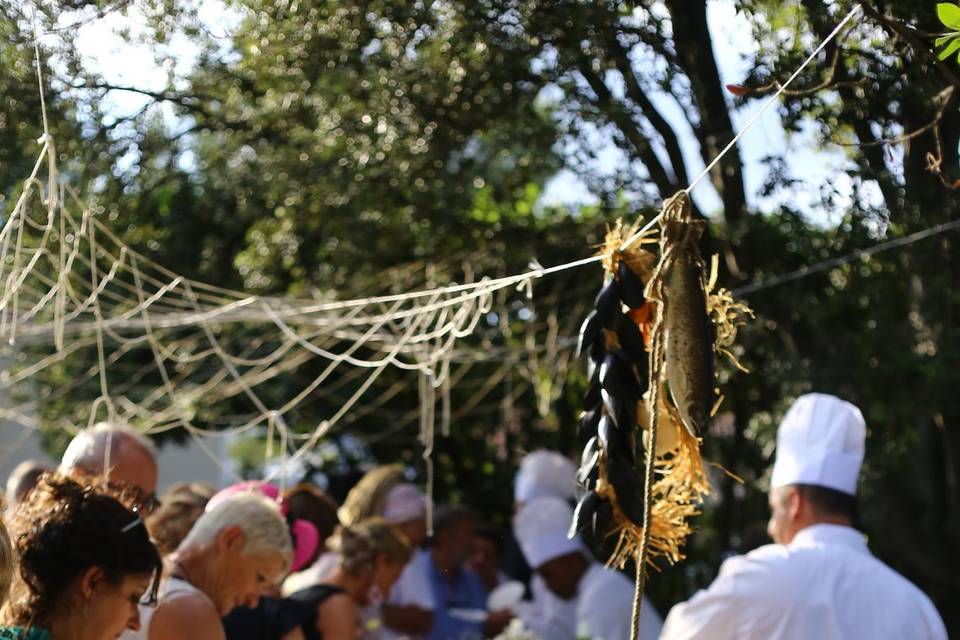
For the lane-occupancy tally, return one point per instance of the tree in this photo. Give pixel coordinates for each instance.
(324, 143)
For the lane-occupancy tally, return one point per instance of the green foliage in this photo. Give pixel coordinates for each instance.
(337, 148)
(949, 15)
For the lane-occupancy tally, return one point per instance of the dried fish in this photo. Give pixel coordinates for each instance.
(689, 337)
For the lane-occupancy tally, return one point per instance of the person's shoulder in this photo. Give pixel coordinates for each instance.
(768, 559)
(186, 615)
(604, 586)
(762, 573)
(337, 616)
(340, 602)
(416, 571)
(898, 585)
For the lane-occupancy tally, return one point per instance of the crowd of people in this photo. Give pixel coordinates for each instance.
(88, 552)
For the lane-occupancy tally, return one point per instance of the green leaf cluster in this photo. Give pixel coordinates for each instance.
(949, 15)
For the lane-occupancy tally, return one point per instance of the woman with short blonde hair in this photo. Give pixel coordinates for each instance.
(237, 549)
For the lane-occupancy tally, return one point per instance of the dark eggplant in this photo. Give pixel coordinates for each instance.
(628, 484)
(598, 351)
(593, 395)
(589, 333)
(583, 515)
(631, 286)
(630, 338)
(589, 469)
(618, 378)
(587, 427)
(608, 305)
(612, 439)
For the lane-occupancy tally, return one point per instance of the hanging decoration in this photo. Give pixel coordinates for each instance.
(650, 344)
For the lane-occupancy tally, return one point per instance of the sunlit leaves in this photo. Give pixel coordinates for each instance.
(949, 15)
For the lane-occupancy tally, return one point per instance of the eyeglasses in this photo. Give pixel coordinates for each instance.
(149, 504)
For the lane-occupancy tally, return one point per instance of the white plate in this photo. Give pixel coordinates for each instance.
(506, 596)
(468, 615)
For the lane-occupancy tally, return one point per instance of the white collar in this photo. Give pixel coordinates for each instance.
(819, 535)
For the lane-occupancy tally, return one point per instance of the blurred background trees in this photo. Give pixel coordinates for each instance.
(343, 147)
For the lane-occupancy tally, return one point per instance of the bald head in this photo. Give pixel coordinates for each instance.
(131, 457)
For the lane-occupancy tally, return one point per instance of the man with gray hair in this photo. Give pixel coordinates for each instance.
(118, 452)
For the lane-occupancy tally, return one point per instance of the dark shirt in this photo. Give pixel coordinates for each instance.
(276, 617)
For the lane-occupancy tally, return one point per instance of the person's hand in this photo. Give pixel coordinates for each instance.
(497, 621)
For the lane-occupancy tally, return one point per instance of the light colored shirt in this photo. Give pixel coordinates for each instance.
(825, 584)
(602, 609)
(412, 588)
(170, 587)
(546, 614)
(605, 607)
(312, 575)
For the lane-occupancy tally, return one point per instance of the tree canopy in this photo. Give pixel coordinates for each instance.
(341, 147)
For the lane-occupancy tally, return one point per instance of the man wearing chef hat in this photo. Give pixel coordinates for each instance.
(601, 599)
(818, 580)
(544, 473)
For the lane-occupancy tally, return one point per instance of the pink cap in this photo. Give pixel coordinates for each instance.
(306, 538)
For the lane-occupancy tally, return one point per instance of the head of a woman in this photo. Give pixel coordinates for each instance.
(307, 502)
(85, 561)
(236, 550)
(181, 506)
(373, 552)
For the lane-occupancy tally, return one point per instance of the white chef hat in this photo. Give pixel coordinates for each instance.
(541, 530)
(820, 442)
(545, 473)
(404, 503)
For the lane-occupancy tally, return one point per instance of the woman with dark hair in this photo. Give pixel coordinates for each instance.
(84, 564)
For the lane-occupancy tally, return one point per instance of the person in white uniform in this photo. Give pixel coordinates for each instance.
(818, 579)
(601, 598)
(408, 611)
(545, 473)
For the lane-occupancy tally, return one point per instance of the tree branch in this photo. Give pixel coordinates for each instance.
(657, 121)
(914, 38)
(628, 128)
(695, 52)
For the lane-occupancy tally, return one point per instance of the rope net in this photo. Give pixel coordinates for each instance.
(129, 340)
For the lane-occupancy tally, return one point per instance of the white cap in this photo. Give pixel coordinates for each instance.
(404, 503)
(541, 530)
(545, 473)
(820, 442)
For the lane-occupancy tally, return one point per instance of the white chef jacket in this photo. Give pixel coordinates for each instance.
(601, 610)
(546, 614)
(413, 587)
(605, 607)
(825, 584)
